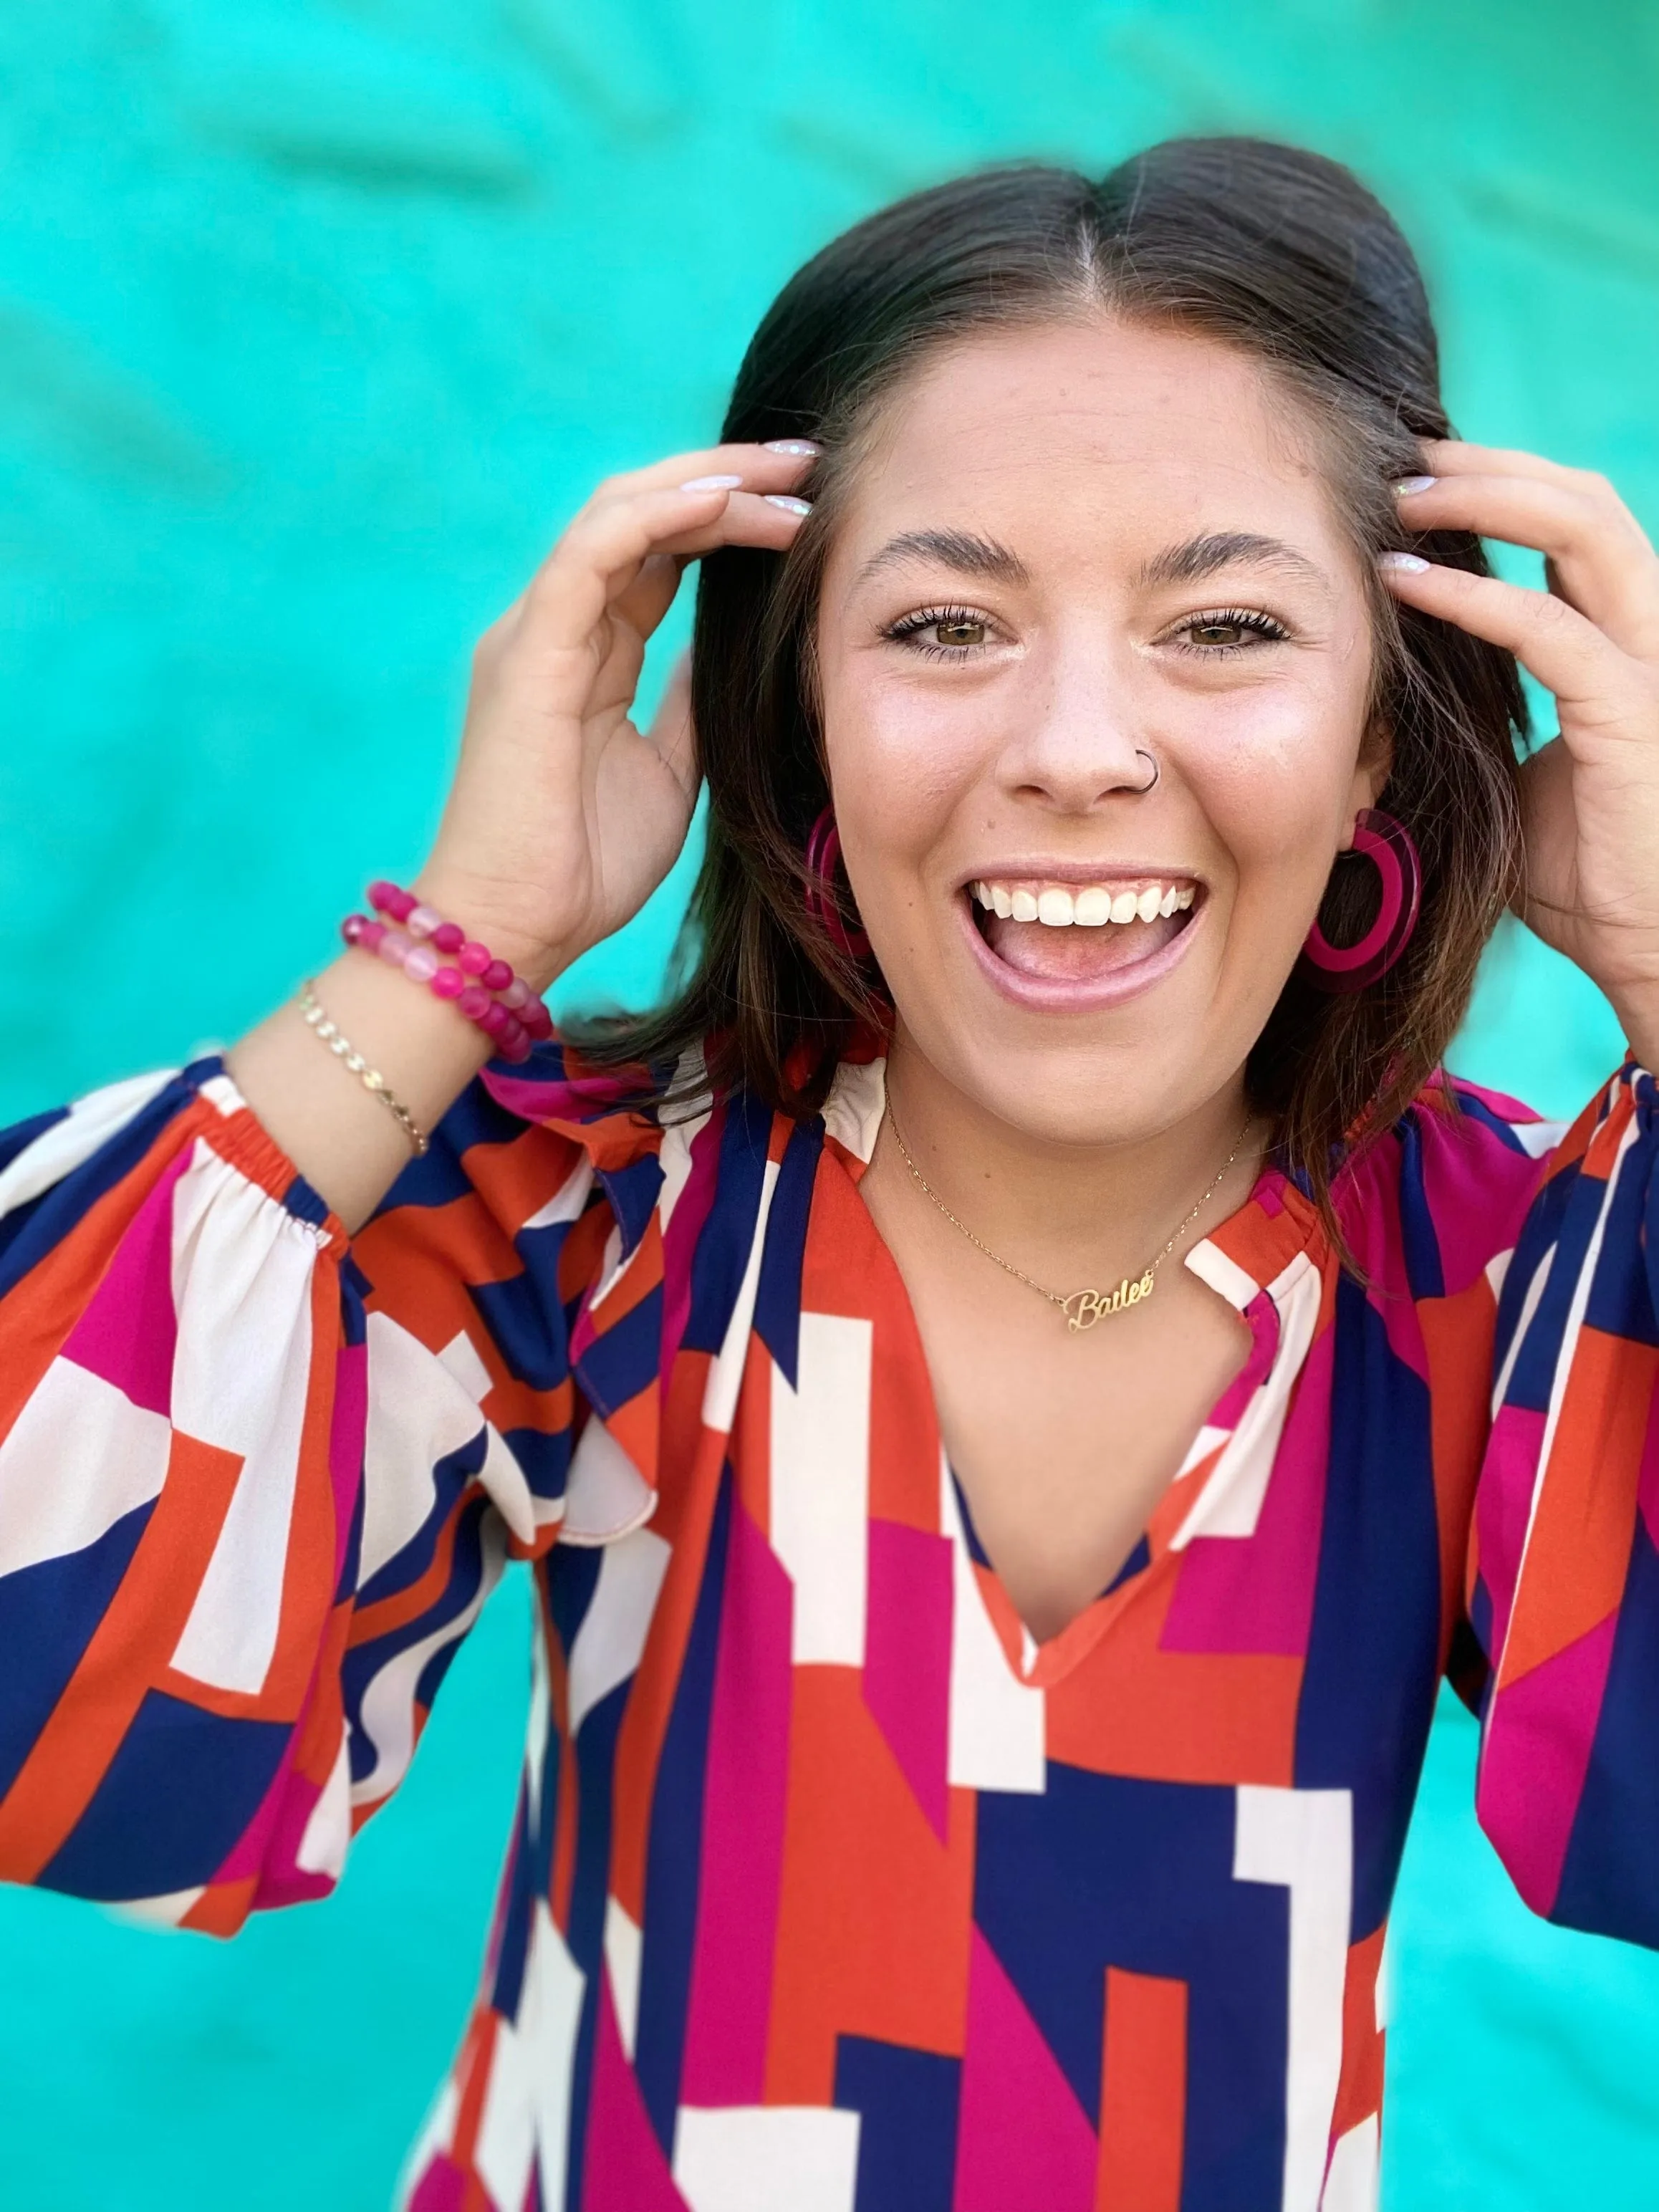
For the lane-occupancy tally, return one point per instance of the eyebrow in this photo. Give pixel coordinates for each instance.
(1198, 557)
(962, 550)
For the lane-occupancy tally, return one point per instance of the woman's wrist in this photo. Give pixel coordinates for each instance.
(1638, 1017)
(490, 914)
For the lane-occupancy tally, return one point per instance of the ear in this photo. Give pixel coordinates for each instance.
(1371, 771)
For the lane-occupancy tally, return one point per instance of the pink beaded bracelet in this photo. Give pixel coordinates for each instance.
(481, 986)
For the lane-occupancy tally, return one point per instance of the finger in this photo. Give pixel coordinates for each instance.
(767, 521)
(1591, 679)
(1446, 457)
(1599, 558)
(603, 550)
(776, 467)
(746, 518)
(642, 601)
(672, 734)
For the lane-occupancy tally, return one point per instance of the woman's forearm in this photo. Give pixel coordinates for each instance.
(340, 1136)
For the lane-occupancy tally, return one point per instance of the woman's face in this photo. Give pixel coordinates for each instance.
(1075, 553)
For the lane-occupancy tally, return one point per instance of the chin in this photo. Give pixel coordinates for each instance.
(1053, 1089)
(1086, 1099)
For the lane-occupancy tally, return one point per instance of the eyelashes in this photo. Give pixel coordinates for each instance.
(1252, 621)
(909, 630)
(1213, 634)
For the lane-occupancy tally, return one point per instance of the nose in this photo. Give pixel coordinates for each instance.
(1080, 740)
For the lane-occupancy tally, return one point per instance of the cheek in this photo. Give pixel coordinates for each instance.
(901, 765)
(1274, 777)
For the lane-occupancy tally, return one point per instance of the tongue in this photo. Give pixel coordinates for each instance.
(1069, 954)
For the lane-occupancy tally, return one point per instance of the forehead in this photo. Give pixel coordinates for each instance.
(1123, 431)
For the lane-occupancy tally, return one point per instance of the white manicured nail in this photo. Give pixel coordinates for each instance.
(1408, 484)
(792, 446)
(1408, 564)
(789, 506)
(711, 483)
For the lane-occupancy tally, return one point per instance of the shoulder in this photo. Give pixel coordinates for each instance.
(535, 1146)
(619, 1124)
(1446, 1189)
(614, 1112)
(654, 1139)
(1476, 1140)
(622, 1113)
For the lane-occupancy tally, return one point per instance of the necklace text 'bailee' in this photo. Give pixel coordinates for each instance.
(1082, 1309)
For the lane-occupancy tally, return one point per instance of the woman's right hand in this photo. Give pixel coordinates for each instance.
(563, 817)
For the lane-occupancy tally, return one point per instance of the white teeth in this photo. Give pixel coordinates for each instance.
(1059, 908)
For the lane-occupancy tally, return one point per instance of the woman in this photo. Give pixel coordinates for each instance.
(1019, 1382)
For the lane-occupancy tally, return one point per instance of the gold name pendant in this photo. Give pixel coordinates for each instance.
(1084, 1307)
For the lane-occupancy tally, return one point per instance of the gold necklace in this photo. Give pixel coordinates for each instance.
(1082, 1309)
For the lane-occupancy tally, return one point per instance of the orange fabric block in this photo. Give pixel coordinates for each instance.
(1143, 2094)
(1584, 1520)
(873, 1923)
(1196, 1716)
(131, 1652)
(1359, 2091)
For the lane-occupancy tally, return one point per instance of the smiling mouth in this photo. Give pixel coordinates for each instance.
(1077, 932)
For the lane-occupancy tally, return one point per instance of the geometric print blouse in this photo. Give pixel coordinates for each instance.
(828, 1889)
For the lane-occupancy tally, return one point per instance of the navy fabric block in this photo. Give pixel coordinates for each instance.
(173, 1802)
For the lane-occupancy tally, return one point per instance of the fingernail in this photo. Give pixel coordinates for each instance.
(1407, 484)
(711, 483)
(792, 446)
(1408, 564)
(789, 506)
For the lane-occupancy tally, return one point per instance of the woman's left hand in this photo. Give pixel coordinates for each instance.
(1590, 796)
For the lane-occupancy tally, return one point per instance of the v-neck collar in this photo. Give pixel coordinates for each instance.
(1265, 1259)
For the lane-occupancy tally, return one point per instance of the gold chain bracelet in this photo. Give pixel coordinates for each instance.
(371, 1079)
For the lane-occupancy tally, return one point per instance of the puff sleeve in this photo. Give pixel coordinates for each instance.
(257, 1478)
(1562, 1583)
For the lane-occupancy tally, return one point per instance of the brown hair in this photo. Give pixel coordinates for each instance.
(1277, 252)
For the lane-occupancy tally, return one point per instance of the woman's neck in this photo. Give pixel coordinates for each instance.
(1083, 1212)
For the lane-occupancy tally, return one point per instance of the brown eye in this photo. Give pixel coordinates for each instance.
(1229, 629)
(942, 633)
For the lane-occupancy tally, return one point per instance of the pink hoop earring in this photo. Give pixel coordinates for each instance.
(1389, 846)
(823, 899)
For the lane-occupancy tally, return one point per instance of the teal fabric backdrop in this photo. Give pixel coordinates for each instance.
(316, 318)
